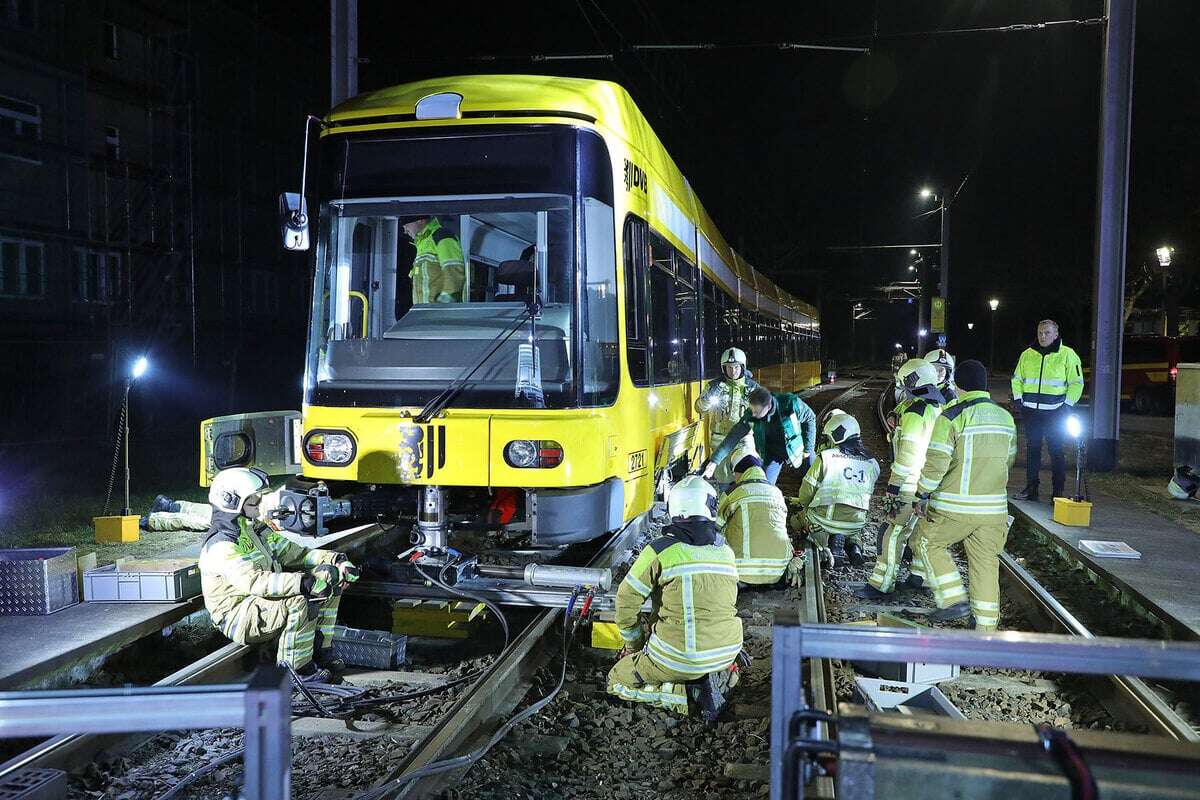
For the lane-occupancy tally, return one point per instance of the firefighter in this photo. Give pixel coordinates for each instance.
(1046, 384)
(695, 634)
(785, 432)
(961, 497)
(753, 519)
(920, 408)
(166, 514)
(1184, 483)
(836, 492)
(258, 585)
(439, 269)
(943, 362)
(723, 403)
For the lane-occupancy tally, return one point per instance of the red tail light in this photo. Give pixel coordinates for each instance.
(1174, 373)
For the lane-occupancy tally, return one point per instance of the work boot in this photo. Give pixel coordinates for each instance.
(951, 613)
(837, 548)
(1028, 493)
(711, 692)
(161, 503)
(144, 522)
(325, 658)
(913, 583)
(311, 673)
(869, 592)
(854, 554)
(906, 557)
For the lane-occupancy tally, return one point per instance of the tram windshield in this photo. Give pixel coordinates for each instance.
(432, 251)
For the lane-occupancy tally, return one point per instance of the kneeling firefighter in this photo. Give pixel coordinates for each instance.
(753, 519)
(695, 634)
(836, 492)
(258, 585)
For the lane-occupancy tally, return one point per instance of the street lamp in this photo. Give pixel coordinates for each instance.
(1164, 255)
(912, 252)
(993, 304)
(926, 193)
(970, 326)
(136, 371)
(1164, 261)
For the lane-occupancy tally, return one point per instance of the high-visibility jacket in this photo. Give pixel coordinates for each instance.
(1045, 379)
(974, 444)
(691, 578)
(790, 420)
(439, 266)
(723, 404)
(233, 567)
(753, 517)
(836, 491)
(909, 443)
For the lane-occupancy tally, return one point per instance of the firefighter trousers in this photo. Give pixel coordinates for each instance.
(983, 537)
(295, 620)
(635, 677)
(896, 533)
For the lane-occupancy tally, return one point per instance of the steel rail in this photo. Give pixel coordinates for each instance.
(1127, 698)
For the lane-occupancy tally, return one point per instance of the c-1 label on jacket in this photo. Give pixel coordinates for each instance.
(635, 176)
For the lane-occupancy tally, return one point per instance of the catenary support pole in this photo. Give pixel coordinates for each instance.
(343, 50)
(1112, 195)
(945, 264)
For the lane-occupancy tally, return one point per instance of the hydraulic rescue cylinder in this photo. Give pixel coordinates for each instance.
(550, 576)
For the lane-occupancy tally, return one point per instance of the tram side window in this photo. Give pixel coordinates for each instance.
(601, 367)
(712, 326)
(636, 344)
(688, 306)
(667, 365)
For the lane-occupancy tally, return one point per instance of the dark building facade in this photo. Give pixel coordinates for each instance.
(142, 148)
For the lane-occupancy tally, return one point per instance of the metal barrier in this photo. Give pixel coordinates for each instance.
(262, 706)
(796, 742)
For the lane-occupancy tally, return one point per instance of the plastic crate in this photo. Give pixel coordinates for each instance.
(375, 649)
(143, 581)
(34, 784)
(37, 581)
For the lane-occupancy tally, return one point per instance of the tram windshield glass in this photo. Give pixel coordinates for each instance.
(434, 247)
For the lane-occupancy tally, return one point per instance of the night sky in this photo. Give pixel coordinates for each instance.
(795, 152)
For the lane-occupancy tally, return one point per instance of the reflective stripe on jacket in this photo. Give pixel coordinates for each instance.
(694, 593)
(1045, 381)
(753, 517)
(723, 404)
(439, 265)
(974, 444)
(836, 491)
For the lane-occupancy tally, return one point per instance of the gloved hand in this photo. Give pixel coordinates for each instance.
(315, 587)
(347, 570)
(326, 581)
(794, 573)
(444, 297)
(826, 556)
(921, 506)
(891, 503)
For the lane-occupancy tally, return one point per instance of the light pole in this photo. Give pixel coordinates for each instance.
(138, 370)
(927, 193)
(921, 334)
(992, 304)
(1164, 262)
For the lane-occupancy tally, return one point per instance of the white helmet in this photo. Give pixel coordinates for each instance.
(1184, 483)
(942, 358)
(692, 497)
(744, 448)
(733, 355)
(919, 379)
(840, 427)
(232, 487)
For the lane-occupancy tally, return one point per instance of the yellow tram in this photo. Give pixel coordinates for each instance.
(596, 297)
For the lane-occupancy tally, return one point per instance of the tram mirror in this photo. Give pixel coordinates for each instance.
(293, 221)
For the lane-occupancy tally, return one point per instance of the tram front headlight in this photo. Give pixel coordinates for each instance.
(527, 453)
(521, 453)
(326, 448)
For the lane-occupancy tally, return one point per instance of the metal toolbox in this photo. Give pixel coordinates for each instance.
(34, 784)
(368, 648)
(143, 581)
(916, 672)
(37, 581)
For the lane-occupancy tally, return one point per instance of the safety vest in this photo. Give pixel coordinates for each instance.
(232, 567)
(697, 629)
(439, 265)
(909, 442)
(1044, 381)
(753, 517)
(837, 490)
(974, 444)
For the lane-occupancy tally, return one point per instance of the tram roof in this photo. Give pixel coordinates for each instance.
(605, 103)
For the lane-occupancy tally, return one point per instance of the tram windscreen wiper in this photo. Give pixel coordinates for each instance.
(445, 396)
